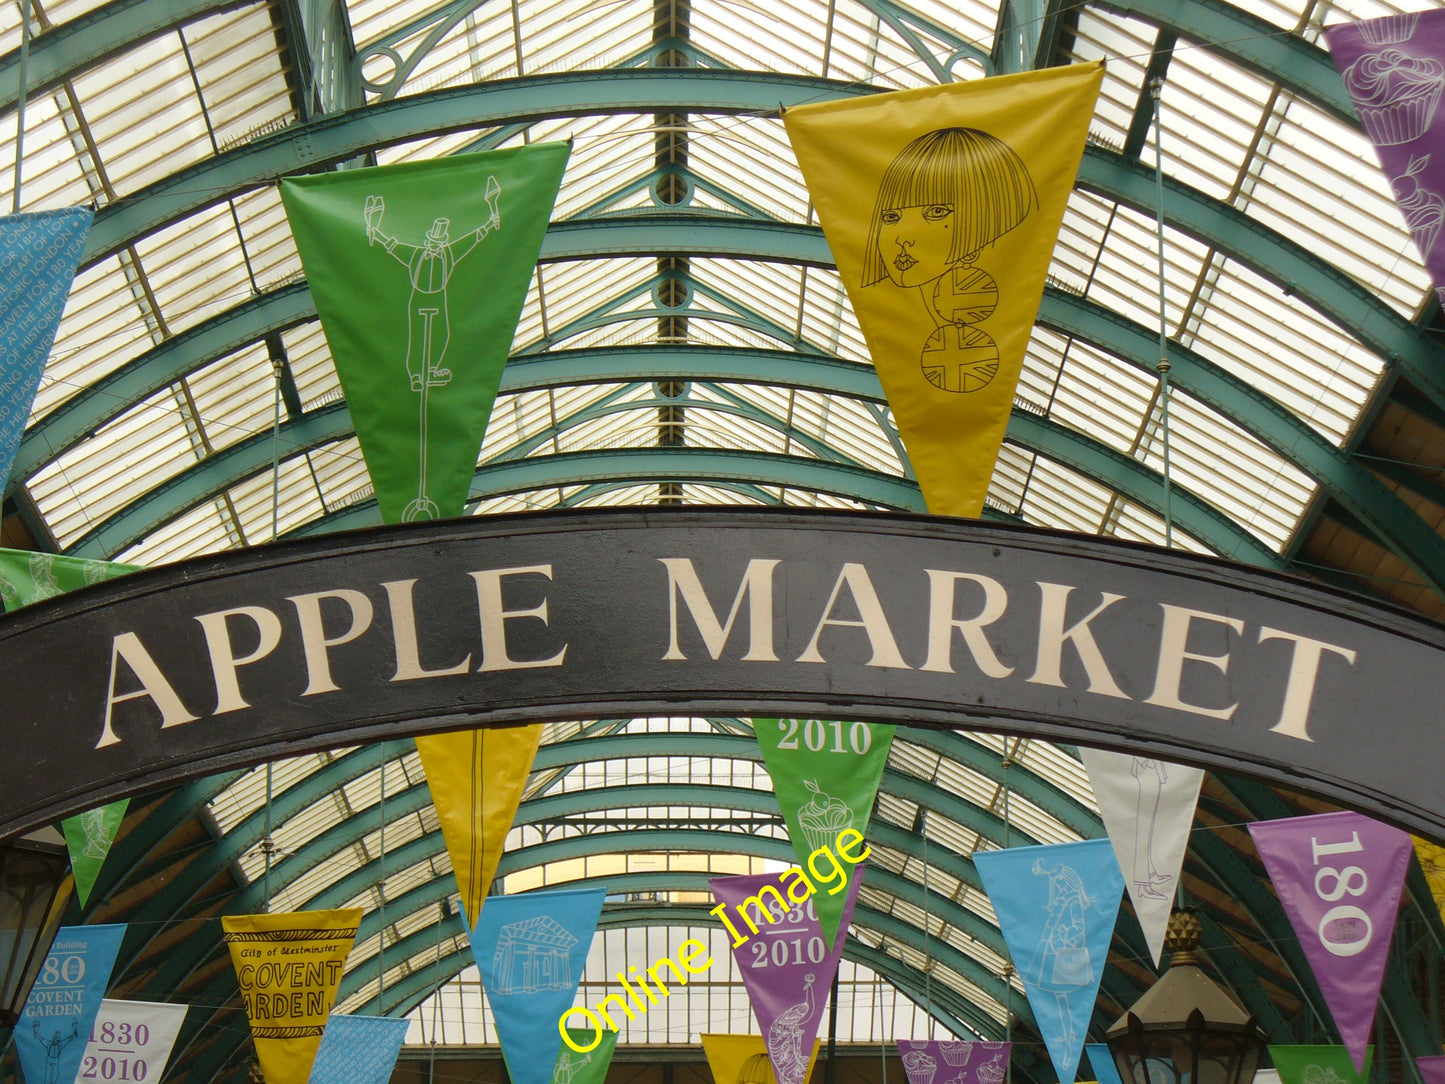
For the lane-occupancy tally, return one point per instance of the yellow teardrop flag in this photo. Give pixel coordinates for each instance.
(743, 1059)
(942, 206)
(476, 779)
(289, 966)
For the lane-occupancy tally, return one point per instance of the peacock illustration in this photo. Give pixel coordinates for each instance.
(785, 1038)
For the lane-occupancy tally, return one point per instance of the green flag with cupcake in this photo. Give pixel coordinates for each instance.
(826, 775)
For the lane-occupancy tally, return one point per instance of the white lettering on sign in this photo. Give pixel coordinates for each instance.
(1343, 930)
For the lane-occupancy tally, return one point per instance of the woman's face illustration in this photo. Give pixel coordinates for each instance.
(915, 242)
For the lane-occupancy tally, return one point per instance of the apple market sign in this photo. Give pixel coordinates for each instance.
(227, 661)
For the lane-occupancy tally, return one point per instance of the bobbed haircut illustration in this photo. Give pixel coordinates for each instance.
(979, 175)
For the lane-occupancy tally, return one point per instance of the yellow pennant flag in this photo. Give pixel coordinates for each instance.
(476, 779)
(942, 206)
(743, 1059)
(289, 966)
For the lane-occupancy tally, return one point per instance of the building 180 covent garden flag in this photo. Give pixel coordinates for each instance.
(419, 271)
(942, 206)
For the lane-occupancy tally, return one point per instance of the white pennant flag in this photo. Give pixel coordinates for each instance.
(1148, 809)
(130, 1040)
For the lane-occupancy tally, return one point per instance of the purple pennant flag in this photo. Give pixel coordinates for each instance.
(780, 949)
(1339, 877)
(1394, 71)
(946, 1061)
(1432, 1069)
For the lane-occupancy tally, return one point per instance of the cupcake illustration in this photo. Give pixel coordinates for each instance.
(993, 1071)
(955, 1054)
(919, 1066)
(1395, 94)
(1389, 30)
(823, 817)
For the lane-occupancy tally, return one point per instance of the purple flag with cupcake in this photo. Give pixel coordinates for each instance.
(948, 1061)
(1394, 71)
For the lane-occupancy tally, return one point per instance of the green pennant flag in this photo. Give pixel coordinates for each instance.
(826, 775)
(27, 577)
(419, 272)
(1319, 1065)
(584, 1057)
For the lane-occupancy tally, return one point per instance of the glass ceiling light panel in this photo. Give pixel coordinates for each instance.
(715, 1002)
(194, 269)
(1125, 46)
(1212, 113)
(55, 174)
(1320, 185)
(241, 72)
(1288, 351)
(749, 158)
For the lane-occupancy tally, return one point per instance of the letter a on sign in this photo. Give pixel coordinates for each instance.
(1339, 877)
(942, 206)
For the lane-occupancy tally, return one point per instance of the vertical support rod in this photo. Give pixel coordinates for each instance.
(381, 899)
(927, 948)
(1008, 967)
(276, 454)
(267, 845)
(830, 1074)
(1156, 92)
(20, 101)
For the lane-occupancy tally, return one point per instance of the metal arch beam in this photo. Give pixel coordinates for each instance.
(724, 91)
(1356, 488)
(1326, 289)
(1346, 480)
(168, 901)
(678, 839)
(175, 971)
(1250, 42)
(1080, 453)
(125, 858)
(560, 754)
(525, 99)
(250, 457)
(213, 476)
(96, 36)
(724, 405)
(418, 985)
(1290, 437)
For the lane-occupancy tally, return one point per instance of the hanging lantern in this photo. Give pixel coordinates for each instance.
(1186, 1029)
(35, 887)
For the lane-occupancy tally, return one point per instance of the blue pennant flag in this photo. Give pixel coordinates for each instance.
(54, 1027)
(358, 1050)
(530, 950)
(1056, 908)
(39, 252)
(1102, 1062)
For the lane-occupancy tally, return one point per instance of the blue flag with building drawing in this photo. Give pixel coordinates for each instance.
(358, 1050)
(1056, 908)
(54, 1027)
(530, 950)
(39, 252)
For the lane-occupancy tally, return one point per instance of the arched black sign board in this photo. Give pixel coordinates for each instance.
(227, 661)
